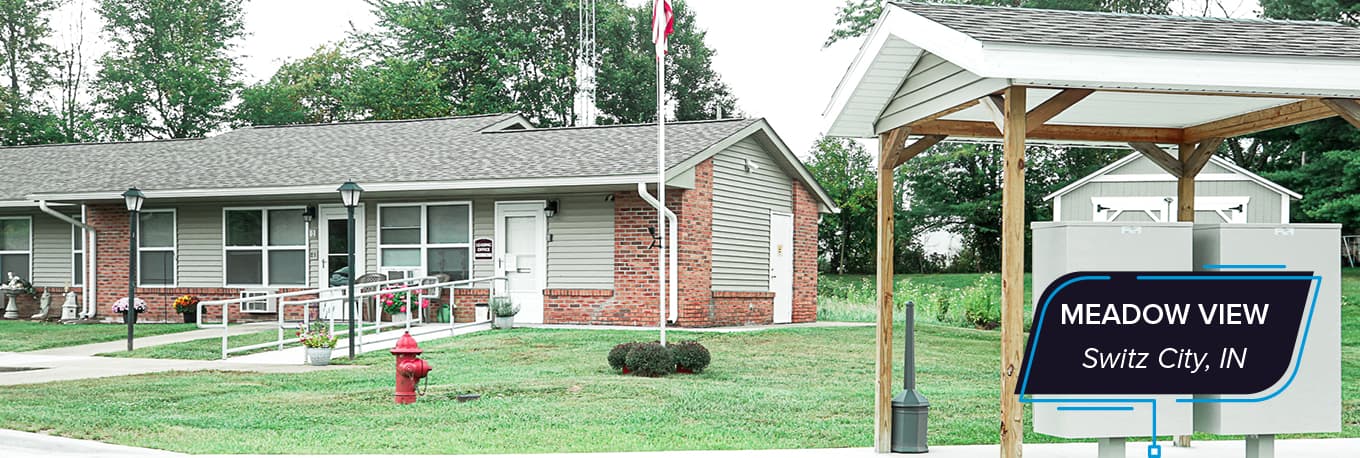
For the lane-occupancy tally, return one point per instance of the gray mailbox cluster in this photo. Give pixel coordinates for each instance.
(1312, 403)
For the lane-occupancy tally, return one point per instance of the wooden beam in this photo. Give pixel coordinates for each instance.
(905, 154)
(978, 129)
(1262, 120)
(891, 144)
(1349, 109)
(1054, 106)
(1160, 157)
(883, 367)
(1199, 156)
(995, 104)
(1185, 189)
(1013, 272)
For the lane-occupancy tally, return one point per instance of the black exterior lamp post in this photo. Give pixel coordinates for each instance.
(134, 199)
(349, 195)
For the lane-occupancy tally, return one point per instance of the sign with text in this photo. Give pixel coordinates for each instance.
(1165, 332)
(483, 249)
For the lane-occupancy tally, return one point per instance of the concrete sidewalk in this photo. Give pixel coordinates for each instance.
(375, 342)
(151, 341)
(22, 444)
(751, 328)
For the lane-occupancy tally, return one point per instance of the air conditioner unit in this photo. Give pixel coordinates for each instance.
(259, 305)
(398, 273)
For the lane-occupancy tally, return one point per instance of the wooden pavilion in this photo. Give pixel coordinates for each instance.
(1157, 84)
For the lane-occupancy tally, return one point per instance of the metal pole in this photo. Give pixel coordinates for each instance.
(909, 354)
(131, 313)
(661, 183)
(353, 307)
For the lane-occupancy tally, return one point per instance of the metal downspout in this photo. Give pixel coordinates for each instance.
(672, 305)
(89, 255)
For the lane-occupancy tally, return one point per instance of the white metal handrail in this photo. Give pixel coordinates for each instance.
(422, 285)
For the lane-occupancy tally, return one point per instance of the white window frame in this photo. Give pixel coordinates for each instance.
(27, 276)
(424, 246)
(78, 267)
(173, 248)
(265, 247)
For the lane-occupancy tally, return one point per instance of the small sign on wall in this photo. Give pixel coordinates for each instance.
(482, 249)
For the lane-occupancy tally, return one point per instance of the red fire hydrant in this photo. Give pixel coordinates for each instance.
(410, 368)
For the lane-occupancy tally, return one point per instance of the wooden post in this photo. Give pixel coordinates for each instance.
(888, 145)
(1012, 271)
(1185, 187)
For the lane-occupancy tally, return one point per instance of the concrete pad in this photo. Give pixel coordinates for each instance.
(373, 342)
(21, 444)
(51, 368)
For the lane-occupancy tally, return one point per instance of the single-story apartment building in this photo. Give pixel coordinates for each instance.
(557, 210)
(1134, 189)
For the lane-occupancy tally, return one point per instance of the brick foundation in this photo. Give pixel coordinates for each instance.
(582, 306)
(736, 308)
(465, 301)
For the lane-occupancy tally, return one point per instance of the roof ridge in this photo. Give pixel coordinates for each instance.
(900, 3)
(375, 121)
(119, 142)
(609, 126)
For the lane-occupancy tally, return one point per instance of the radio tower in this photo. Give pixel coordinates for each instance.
(586, 60)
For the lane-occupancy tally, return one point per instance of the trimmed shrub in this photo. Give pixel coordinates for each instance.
(650, 360)
(691, 356)
(619, 354)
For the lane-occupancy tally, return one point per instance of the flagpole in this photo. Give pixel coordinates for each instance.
(661, 177)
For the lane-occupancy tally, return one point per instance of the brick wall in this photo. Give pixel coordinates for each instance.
(695, 214)
(736, 308)
(805, 218)
(29, 305)
(465, 302)
(581, 306)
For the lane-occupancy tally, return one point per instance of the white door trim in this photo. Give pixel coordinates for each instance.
(523, 207)
(783, 289)
(336, 309)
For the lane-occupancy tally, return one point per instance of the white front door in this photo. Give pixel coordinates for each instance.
(332, 226)
(781, 266)
(522, 256)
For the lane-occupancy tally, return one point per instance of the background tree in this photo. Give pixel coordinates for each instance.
(315, 89)
(170, 72)
(27, 62)
(846, 170)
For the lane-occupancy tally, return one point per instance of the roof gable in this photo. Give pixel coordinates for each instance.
(1136, 167)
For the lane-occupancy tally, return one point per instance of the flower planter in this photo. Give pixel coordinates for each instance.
(190, 317)
(683, 370)
(504, 322)
(398, 317)
(626, 370)
(319, 356)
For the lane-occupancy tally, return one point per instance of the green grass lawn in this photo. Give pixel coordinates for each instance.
(787, 388)
(31, 335)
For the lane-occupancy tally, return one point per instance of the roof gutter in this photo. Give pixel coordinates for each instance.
(672, 309)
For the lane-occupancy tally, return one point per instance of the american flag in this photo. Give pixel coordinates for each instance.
(663, 23)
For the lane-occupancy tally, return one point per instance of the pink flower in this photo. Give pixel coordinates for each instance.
(389, 302)
(403, 309)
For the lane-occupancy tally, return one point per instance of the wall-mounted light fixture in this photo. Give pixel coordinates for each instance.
(308, 214)
(550, 209)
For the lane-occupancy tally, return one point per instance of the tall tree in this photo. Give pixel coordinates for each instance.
(317, 88)
(74, 114)
(514, 56)
(26, 60)
(846, 170)
(170, 72)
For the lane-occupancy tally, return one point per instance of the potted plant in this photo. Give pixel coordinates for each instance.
(504, 310)
(121, 305)
(319, 341)
(650, 360)
(187, 305)
(690, 357)
(618, 356)
(395, 304)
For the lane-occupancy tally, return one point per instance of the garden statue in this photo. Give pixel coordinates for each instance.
(12, 289)
(44, 304)
(70, 307)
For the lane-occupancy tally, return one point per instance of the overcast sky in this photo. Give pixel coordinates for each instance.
(769, 51)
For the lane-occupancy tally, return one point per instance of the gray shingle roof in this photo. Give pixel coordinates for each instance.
(444, 149)
(1145, 32)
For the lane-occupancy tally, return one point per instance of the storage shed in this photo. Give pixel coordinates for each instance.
(1134, 189)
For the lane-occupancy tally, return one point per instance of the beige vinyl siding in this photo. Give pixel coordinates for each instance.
(581, 243)
(198, 263)
(51, 251)
(742, 202)
(1264, 206)
(483, 226)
